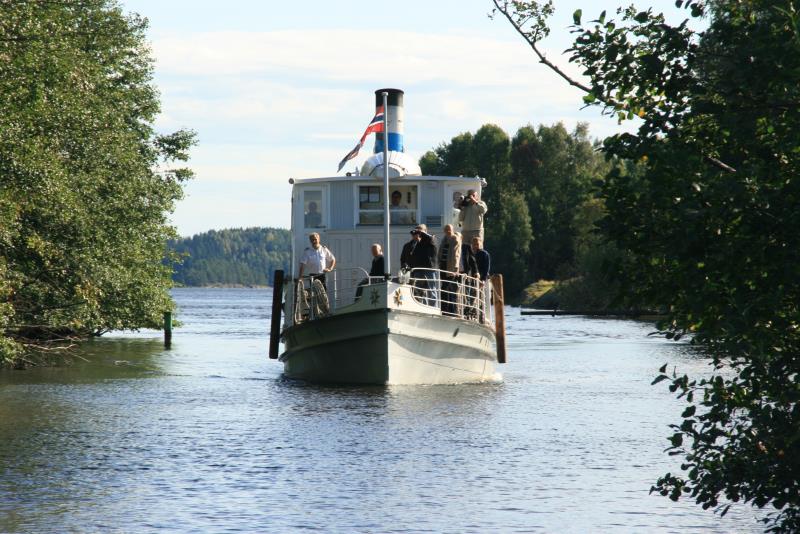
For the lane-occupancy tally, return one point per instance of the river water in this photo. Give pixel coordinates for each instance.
(207, 437)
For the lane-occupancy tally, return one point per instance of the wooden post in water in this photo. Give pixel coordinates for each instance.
(499, 317)
(275, 320)
(167, 329)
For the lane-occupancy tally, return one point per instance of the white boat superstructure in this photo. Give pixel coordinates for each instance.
(422, 326)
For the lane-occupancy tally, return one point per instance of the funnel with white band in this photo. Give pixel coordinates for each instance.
(400, 163)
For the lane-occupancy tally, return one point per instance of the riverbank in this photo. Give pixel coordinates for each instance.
(572, 294)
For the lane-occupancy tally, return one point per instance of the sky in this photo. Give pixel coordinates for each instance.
(284, 89)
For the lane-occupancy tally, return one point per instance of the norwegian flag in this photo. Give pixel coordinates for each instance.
(375, 125)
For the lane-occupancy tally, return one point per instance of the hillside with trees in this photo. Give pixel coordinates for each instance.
(232, 257)
(86, 183)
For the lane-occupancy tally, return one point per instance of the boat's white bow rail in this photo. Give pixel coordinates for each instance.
(421, 290)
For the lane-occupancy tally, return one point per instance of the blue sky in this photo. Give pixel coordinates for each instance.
(284, 89)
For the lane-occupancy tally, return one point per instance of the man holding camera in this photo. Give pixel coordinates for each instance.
(408, 248)
(471, 217)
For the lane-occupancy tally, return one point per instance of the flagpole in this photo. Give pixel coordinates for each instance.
(387, 252)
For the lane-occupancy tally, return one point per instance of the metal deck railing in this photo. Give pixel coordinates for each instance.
(456, 295)
(452, 294)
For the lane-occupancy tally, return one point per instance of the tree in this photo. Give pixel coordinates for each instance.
(450, 159)
(710, 224)
(83, 207)
(509, 234)
(491, 158)
(555, 170)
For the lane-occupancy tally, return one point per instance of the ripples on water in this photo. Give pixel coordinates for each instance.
(209, 437)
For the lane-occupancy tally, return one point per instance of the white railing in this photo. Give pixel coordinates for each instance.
(348, 285)
(453, 294)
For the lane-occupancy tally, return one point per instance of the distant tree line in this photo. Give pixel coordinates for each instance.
(237, 256)
(542, 199)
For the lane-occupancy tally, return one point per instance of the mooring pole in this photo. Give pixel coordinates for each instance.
(167, 329)
(499, 317)
(275, 320)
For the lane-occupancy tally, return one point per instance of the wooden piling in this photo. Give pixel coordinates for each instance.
(275, 321)
(499, 316)
(167, 329)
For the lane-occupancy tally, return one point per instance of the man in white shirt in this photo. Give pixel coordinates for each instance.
(317, 259)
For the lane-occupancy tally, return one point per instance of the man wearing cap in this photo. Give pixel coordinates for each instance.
(317, 259)
(408, 248)
(423, 261)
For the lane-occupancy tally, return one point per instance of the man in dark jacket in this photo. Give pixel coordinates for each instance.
(375, 270)
(483, 262)
(378, 266)
(408, 248)
(482, 258)
(423, 260)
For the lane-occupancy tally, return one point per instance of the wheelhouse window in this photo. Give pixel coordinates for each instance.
(312, 209)
(402, 204)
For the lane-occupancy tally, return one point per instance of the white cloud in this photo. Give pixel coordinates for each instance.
(270, 105)
(350, 56)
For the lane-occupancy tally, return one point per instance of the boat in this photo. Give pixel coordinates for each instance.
(405, 327)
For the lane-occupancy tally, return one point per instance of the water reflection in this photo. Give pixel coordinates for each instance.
(209, 437)
(98, 359)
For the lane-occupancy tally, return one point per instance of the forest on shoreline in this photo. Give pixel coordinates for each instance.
(236, 257)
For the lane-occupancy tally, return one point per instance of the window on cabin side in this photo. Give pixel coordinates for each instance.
(402, 204)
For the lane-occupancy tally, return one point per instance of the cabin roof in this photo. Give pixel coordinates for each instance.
(364, 177)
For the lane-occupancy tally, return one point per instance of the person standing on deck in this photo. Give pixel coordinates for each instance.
(469, 273)
(408, 248)
(483, 263)
(471, 217)
(377, 267)
(423, 261)
(449, 259)
(482, 258)
(375, 270)
(317, 260)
